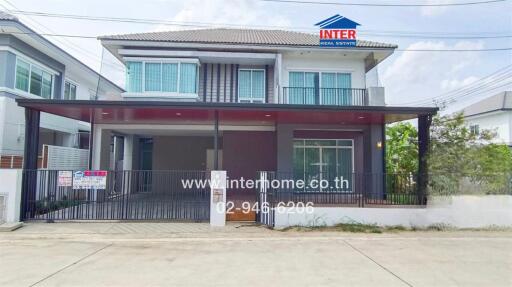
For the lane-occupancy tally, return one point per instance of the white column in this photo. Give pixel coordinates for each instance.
(277, 78)
(218, 198)
(96, 147)
(128, 152)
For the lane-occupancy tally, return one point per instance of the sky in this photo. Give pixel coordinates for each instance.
(408, 77)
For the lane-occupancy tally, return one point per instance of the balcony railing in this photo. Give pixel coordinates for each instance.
(324, 96)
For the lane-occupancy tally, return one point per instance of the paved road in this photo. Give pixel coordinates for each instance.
(169, 254)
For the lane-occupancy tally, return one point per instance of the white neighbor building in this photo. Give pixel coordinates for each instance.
(32, 67)
(493, 113)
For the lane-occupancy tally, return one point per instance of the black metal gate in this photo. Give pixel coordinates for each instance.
(129, 195)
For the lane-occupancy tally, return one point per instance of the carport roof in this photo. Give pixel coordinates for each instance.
(126, 112)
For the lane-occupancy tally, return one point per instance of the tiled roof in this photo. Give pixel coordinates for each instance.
(501, 101)
(237, 36)
(5, 16)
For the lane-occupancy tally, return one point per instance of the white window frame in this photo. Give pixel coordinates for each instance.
(320, 72)
(161, 61)
(71, 82)
(251, 99)
(42, 67)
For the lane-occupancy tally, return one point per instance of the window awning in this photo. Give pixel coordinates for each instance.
(158, 112)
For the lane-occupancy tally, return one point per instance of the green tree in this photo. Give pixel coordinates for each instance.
(457, 156)
(401, 149)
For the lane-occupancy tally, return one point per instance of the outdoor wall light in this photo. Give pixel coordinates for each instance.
(360, 117)
(105, 113)
(267, 115)
(178, 114)
(379, 144)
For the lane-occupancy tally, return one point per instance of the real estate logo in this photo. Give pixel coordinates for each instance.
(338, 31)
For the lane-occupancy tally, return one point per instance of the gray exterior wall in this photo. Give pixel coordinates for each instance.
(180, 152)
(219, 82)
(8, 68)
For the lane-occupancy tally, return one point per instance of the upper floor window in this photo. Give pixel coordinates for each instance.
(161, 76)
(69, 91)
(33, 79)
(251, 85)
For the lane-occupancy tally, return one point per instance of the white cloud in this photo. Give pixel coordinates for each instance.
(431, 11)
(233, 12)
(452, 84)
(414, 76)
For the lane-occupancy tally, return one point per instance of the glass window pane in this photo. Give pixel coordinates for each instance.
(311, 88)
(72, 95)
(66, 90)
(22, 75)
(169, 77)
(344, 80)
(244, 84)
(152, 77)
(321, 142)
(312, 163)
(188, 74)
(134, 77)
(298, 142)
(47, 86)
(298, 162)
(344, 143)
(258, 85)
(296, 89)
(36, 79)
(328, 94)
(345, 168)
(344, 83)
(329, 163)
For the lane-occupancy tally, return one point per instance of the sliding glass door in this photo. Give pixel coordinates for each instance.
(325, 160)
(321, 88)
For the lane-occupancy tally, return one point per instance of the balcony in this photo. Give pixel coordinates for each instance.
(324, 96)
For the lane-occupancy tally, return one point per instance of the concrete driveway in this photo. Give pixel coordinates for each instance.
(174, 254)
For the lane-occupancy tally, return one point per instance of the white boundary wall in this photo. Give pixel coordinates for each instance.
(462, 211)
(10, 194)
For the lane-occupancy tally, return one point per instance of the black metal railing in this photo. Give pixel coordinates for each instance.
(324, 96)
(128, 195)
(351, 189)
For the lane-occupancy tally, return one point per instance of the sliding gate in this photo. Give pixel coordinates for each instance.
(128, 195)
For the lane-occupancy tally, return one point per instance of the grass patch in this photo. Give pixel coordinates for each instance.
(348, 227)
(371, 228)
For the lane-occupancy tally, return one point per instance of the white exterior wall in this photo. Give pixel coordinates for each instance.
(500, 121)
(10, 193)
(12, 127)
(462, 211)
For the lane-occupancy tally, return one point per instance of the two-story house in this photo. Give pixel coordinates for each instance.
(493, 113)
(243, 101)
(32, 67)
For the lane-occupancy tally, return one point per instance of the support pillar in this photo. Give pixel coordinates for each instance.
(216, 142)
(424, 123)
(29, 180)
(91, 141)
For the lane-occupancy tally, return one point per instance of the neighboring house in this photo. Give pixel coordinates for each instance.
(243, 101)
(34, 68)
(493, 113)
